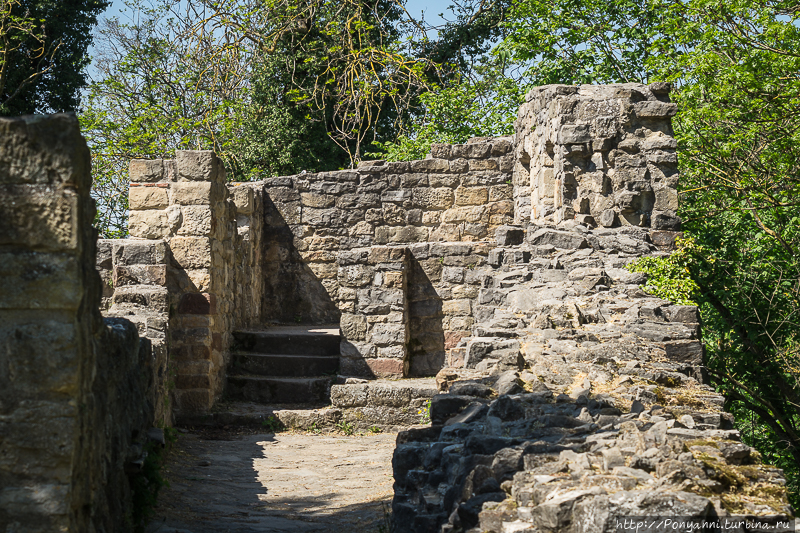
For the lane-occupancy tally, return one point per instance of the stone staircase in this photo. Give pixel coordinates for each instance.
(284, 365)
(289, 374)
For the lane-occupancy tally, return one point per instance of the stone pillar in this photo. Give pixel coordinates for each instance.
(602, 155)
(185, 202)
(373, 300)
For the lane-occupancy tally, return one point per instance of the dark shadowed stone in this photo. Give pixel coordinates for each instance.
(509, 236)
(506, 408)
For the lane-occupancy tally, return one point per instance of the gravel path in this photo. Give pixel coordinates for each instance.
(287, 482)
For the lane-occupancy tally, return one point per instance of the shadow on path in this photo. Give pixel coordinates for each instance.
(287, 482)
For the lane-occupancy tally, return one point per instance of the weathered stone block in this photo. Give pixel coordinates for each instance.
(198, 304)
(430, 165)
(457, 307)
(387, 368)
(472, 214)
(191, 193)
(198, 165)
(654, 109)
(145, 170)
(191, 252)
(150, 224)
(38, 217)
(134, 252)
(471, 196)
(509, 236)
(354, 327)
(388, 334)
(433, 198)
(574, 134)
(196, 220)
(141, 198)
(401, 234)
(140, 275)
(40, 281)
(479, 165)
(317, 200)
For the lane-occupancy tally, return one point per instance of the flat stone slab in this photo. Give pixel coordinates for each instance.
(384, 393)
(285, 482)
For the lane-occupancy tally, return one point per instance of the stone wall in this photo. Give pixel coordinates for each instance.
(442, 209)
(600, 154)
(75, 391)
(193, 263)
(578, 401)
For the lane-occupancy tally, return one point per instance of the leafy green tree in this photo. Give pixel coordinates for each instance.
(43, 57)
(735, 67)
(173, 77)
(739, 133)
(481, 105)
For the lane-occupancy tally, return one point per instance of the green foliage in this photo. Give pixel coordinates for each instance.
(482, 106)
(668, 277)
(43, 46)
(165, 83)
(346, 427)
(375, 429)
(273, 424)
(425, 413)
(146, 486)
(584, 41)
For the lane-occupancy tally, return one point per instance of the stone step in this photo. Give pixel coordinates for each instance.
(266, 389)
(282, 365)
(403, 393)
(312, 417)
(289, 340)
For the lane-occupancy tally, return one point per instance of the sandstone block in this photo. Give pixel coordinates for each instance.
(387, 368)
(197, 220)
(191, 252)
(142, 198)
(574, 134)
(146, 170)
(433, 198)
(135, 252)
(457, 308)
(309, 199)
(191, 193)
(473, 214)
(140, 275)
(149, 224)
(41, 355)
(479, 165)
(198, 165)
(430, 165)
(38, 217)
(509, 236)
(471, 195)
(666, 200)
(401, 234)
(653, 109)
(354, 327)
(388, 334)
(198, 304)
(324, 270)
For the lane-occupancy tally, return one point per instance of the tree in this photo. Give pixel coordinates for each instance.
(43, 46)
(739, 132)
(173, 77)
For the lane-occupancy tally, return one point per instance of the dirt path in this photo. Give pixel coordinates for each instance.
(287, 482)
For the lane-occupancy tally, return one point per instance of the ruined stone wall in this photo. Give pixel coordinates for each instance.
(74, 390)
(579, 402)
(601, 154)
(443, 209)
(195, 261)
